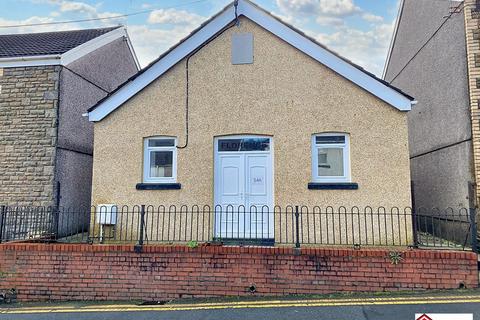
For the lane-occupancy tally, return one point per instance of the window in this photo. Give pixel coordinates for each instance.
(330, 158)
(160, 160)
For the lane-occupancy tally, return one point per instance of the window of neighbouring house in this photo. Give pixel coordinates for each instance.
(330, 157)
(160, 157)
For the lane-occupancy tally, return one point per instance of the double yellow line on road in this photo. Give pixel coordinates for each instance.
(243, 305)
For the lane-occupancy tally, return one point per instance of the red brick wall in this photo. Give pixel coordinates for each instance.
(112, 272)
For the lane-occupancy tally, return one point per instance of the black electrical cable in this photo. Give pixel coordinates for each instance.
(235, 4)
(455, 10)
(87, 80)
(100, 18)
(187, 84)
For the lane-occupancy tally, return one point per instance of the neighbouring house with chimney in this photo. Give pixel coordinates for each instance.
(47, 81)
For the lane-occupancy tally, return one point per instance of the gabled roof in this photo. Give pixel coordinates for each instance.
(45, 43)
(50, 48)
(284, 31)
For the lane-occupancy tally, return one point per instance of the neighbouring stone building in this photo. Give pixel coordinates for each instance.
(47, 81)
(434, 55)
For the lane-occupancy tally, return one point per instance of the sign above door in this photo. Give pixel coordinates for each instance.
(243, 144)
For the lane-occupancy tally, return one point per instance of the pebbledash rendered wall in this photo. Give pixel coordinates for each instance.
(29, 106)
(284, 94)
(40, 272)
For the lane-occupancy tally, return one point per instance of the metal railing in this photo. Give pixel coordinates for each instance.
(290, 225)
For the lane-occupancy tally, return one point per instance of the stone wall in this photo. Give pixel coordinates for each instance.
(28, 122)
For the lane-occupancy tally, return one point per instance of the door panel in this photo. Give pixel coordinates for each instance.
(230, 176)
(230, 189)
(243, 187)
(259, 195)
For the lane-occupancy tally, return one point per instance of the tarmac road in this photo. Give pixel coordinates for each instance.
(363, 308)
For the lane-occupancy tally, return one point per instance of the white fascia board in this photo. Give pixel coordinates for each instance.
(132, 50)
(394, 37)
(29, 61)
(173, 57)
(92, 45)
(71, 55)
(325, 57)
(271, 24)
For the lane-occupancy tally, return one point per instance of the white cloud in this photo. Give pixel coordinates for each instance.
(330, 21)
(298, 6)
(166, 27)
(337, 8)
(89, 11)
(325, 12)
(30, 20)
(371, 17)
(173, 16)
(79, 7)
(366, 48)
(149, 42)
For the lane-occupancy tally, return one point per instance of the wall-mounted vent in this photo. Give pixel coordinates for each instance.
(242, 48)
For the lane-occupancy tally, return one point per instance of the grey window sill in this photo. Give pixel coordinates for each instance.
(158, 186)
(332, 186)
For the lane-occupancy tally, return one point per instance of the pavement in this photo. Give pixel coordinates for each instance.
(357, 307)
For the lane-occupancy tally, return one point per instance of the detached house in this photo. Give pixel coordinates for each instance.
(249, 111)
(435, 55)
(47, 81)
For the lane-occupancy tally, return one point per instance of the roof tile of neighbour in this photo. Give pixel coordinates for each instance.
(46, 43)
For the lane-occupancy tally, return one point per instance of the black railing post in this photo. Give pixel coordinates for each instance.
(3, 211)
(414, 216)
(56, 221)
(473, 229)
(139, 246)
(415, 228)
(297, 228)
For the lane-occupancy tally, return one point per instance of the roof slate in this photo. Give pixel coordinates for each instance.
(46, 43)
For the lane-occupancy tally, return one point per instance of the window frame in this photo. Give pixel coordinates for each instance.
(346, 157)
(146, 160)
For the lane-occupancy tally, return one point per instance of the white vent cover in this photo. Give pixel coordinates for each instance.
(242, 48)
(106, 214)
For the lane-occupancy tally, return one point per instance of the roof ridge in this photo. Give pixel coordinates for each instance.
(64, 31)
(293, 29)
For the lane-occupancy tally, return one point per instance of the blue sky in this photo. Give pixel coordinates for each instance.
(358, 29)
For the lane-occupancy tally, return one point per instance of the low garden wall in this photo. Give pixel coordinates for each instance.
(40, 272)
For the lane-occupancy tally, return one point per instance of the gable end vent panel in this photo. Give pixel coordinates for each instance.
(242, 48)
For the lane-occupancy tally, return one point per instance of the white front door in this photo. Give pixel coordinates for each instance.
(243, 188)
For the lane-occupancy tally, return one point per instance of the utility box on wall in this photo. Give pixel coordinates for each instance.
(107, 214)
(242, 48)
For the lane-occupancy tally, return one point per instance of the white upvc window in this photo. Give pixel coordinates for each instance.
(331, 157)
(160, 160)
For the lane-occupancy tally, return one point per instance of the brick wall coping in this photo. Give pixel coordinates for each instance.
(338, 252)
